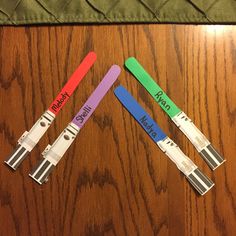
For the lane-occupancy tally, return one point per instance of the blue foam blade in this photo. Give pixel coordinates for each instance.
(141, 116)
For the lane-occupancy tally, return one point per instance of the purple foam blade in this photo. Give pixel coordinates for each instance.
(88, 108)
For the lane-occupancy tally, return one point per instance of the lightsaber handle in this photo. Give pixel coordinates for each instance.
(191, 131)
(29, 139)
(172, 150)
(198, 180)
(37, 131)
(200, 142)
(53, 154)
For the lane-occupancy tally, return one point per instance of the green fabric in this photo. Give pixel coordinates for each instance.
(104, 11)
(152, 87)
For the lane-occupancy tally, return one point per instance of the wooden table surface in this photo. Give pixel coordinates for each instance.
(114, 180)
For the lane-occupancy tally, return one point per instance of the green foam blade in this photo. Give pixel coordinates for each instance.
(152, 87)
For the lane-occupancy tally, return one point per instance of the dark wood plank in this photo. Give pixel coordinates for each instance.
(114, 180)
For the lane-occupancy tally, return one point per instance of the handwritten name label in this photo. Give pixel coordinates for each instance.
(161, 100)
(59, 102)
(148, 127)
(86, 110)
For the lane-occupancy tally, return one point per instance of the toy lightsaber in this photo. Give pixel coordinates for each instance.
(53, 153)
(183, 122)
(198, 180)
(30, 138)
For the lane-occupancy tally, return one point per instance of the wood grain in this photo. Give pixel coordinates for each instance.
(114, 180)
